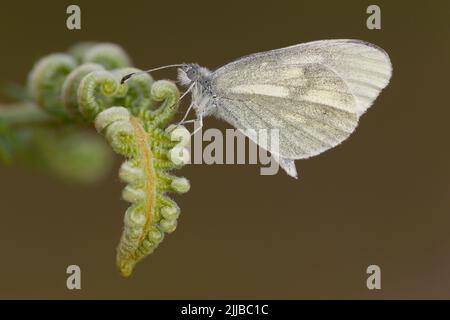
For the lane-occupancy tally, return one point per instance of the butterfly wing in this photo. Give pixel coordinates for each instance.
(365, 67)
(312, 93)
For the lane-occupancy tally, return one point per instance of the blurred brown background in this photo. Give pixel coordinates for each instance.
(382, 197)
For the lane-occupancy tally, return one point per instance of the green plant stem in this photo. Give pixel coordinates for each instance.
(27, 114)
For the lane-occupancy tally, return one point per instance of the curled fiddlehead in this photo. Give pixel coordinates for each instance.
(167, 92)
(46, 79)
(100, 89)
(138, 96)
(84, 86)
(72, 84)
(110, 55)
(96, 93)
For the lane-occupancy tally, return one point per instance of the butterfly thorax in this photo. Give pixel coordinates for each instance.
(200, 79)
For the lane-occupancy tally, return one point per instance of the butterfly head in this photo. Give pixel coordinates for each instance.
(192, 72)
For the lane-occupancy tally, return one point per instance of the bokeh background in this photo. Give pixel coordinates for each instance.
(382, 197)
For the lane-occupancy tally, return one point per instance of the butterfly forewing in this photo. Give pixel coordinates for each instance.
(313, 93)
(365, 67)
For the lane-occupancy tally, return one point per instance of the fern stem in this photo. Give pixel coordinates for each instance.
(26, 114)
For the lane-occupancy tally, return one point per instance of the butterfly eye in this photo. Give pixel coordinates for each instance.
(192, 73)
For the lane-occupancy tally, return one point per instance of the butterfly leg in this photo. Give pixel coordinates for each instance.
(187, 91)
(187, 121)
(190, 106)
(200, 120)
(186, 114)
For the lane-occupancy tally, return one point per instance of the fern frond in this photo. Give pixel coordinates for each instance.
(146, 173)
(82, 88)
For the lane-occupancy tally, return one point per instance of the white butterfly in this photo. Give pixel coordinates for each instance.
(313, 93)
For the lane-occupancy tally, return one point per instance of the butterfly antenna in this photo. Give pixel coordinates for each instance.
(128, 76)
